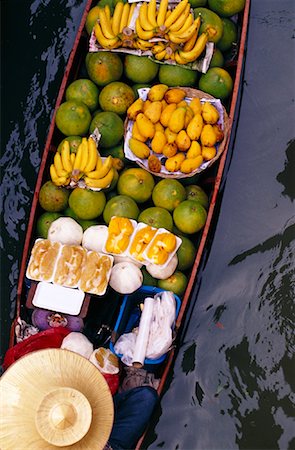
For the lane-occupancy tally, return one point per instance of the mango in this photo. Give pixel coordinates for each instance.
(210, 113)
(188, 116)
(166, 114)
(145, 126)
(196, 105)
(183, 141)
(195, 127)
(208, 137)
(159, 127)
(135, 109)
(177, 119)
(169, 149)
(182, 104)
(190, 164)
(173, 164)
(154, 164)
(158, 142)
(194, 150)
(170, 135)
(208, 153)
(153, 111)
(157, 92)
(218, 133)
(140, 149)
(174, 95)
(136, 134)
(146, 103)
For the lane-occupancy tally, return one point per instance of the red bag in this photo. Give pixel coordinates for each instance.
(51, 338)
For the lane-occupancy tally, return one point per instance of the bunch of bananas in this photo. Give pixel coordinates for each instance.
(177, 29)
(168, 127)
(86, 164)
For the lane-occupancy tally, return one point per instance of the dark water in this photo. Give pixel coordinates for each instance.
(233, 381)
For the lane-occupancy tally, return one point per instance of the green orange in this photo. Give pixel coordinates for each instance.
(53, 198)
(176, 283)
(87, 204)
(73, 118)
(122, 206)
(116, 97)
(85, 91)
(189, 216)
(140, 69)
(103, 67)
(211, 23)
(137, 183)
(217, 82)
(229, 35)
(110, 126)
(177, 76)
(156, 217)
(74, 142)
(186, 254)
(226, 8)
(168, 193)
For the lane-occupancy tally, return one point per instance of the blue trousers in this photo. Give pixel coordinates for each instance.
(133, 410)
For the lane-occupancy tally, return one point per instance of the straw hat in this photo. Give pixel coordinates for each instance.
(54, 398)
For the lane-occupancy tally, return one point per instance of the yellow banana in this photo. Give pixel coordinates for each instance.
(78, 157)
(131, 12)
(98, 162)
(105, 24)
(61, 172)
(151, 13)
(105, 43)
(143, 18)
(117, 17)
(73, 157)
(101, 173)
(141, 33)
(107, 11)
(187, 23)
(192, 40)
(162, 11)
(185, 36)
(179, 59)
(189, 31)
(143, 45)
(65, 157)
(85, 154)
(181, 20)
(161, 55)
(196, 51)
(159, 47)
(53, 172)
(179, 9)
(92, 156)
(101, 183)
(58, 181)
(124, 17)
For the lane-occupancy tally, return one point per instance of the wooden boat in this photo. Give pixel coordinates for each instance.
(212, 177)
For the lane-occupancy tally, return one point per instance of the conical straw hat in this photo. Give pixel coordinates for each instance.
(54, 398)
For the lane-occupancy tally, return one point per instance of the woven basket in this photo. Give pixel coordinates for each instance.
(192, 93)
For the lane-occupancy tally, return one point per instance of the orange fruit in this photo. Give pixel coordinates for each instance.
(85, 91)
(137, 183)
(140, 69)
(189, 216)
(168, 193)
(217, 59)
(211, 23)
(74, 142)
(176, 283)
(226, 8)
(177, 76)
(110, 126)
(156, 217)
(116, 97)
(73, 118)
(44, 222)
(53, 198)
(103, 67)
(217, 82)
(91, 18)
(186, 254)
(122, 206)
(196, 193)
(87, 204)
(229, 35)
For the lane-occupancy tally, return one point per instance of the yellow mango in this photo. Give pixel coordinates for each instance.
(169, 149)
(136, 134)
(159, 127)
(174, 95)
(218, 133)
(157, 92)
(145, 126)
(146, 103)
(188, 116)
(210, 113)
(166, 114)
(170, 135)
(208, 153)
(176, 121)
(158, 142)
(164, 104)
(196, 105)
(182, 104)
(153, 111)
(183, 141)
(140, 149)
(190, 164)
(208, 137)
(195, 127)
(154, 164)
(173, 164)
(194, 150)
(135, 109)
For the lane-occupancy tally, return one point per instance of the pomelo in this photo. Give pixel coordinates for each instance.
(217, 59)
(211, 23)
(168, 193)
(189, 216)
(140, 69)
(74, 142)
(137, 183)
(197, 3)
(44, 222)
(85, 91)
(73, 118)
(68, 212)
(87, 204)
(177, 283)
(196, 193)
(177, 76)
(53, 198)
(122, 206)
(116, 97)
(103, 67)
(186, 254)
(226, 8)
(156, 217)
(229, 35)
(217, 82)
(110, 126)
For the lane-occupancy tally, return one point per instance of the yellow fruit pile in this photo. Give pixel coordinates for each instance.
(184, 132)
(177, 29)
(86, 164)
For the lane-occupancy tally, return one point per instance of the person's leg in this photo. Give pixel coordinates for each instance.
(133, 410)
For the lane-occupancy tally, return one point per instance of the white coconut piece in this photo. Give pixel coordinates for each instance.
(66, 231)
(94, 237)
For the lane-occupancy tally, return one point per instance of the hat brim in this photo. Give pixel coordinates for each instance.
(31, 378)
